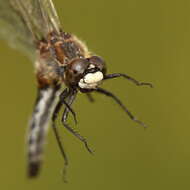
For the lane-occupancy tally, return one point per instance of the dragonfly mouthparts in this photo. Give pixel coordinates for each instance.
(91, 80)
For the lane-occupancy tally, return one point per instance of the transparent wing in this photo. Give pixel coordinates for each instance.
(39, 15)
(24, 22)
(13, 29)
(51, 15)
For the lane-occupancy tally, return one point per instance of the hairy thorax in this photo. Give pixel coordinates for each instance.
(53, 54)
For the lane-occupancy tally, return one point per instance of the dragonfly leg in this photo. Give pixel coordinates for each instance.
(118, 101)
(90, 97)
(60, 144)
(55, 130)
(116, 75)
(64, 121)
(63, 97)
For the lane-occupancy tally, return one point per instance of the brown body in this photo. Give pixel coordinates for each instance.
(62, 59)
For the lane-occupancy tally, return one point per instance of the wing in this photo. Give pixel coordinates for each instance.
(51, 14)
(24, 22)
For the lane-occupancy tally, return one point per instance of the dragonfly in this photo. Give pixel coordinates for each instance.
(64, 67)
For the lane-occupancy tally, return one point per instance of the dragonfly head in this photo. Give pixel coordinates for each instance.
(85, 73)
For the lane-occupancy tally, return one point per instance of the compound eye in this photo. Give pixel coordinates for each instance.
(75, 71)
(98, 62)
(79, 66)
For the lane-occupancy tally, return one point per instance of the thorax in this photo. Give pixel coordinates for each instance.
(55, 52)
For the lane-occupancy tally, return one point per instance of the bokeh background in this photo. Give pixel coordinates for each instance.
(149, 40)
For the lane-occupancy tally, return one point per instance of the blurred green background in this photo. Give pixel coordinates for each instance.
(149, 40)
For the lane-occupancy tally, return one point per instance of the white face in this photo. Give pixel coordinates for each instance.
(91, 80)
